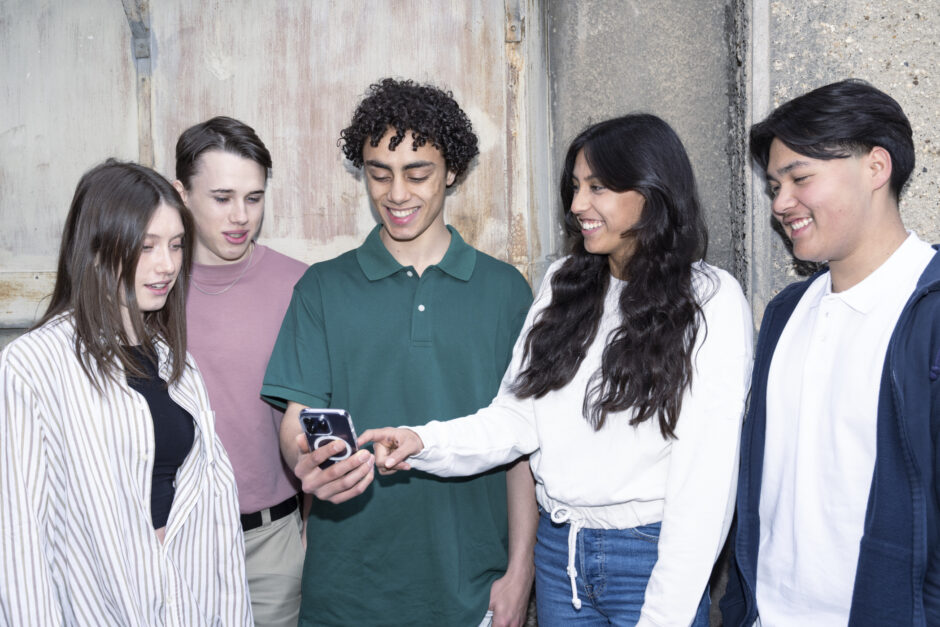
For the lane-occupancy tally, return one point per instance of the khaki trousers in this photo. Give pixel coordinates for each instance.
(274, 561)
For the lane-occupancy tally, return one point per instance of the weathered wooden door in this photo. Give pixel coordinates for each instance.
(93, 79)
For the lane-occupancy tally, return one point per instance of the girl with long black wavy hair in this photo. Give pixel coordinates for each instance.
(626, 388)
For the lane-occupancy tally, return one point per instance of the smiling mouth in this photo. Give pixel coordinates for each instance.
(158, 287)
(402, 213)
(798, 225)
(590, 225)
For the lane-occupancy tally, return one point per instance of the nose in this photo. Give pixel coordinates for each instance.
(168, 260)
(398, 192)
(782, 202)
(580, 202)
(239, 212)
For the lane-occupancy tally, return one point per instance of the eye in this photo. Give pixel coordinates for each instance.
(146, 248)
(220, 199)
(255, 199)
(380, 178)
(597, 188)
(418, 179)
(800, 179)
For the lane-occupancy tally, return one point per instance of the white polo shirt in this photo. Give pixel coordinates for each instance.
(822, 400)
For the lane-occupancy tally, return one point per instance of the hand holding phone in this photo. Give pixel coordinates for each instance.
(323, 426)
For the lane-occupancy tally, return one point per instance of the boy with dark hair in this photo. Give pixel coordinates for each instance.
(411, 325)
(837, 519)
(239, 291)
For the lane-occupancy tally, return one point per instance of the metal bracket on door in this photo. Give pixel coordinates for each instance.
(515, 20)
(138, 19)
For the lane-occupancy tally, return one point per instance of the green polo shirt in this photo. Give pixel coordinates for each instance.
(368, 335)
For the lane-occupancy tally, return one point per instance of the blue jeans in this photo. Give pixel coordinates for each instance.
(613, 567)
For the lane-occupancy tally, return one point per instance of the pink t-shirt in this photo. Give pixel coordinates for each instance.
(231, 334)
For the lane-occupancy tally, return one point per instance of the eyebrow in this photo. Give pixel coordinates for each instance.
(409, 166)
(172, 237)
(232, 191)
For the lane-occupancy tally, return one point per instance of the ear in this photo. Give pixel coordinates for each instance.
(451, 177)
(178, 185)
(879, 167)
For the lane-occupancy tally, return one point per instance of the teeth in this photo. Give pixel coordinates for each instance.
(799, 224)
(590, 225)
(158, 286)
(402, 213)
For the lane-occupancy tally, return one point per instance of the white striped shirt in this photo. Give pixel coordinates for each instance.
(77, 544)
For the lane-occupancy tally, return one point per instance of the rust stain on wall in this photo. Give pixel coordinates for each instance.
(23, 296)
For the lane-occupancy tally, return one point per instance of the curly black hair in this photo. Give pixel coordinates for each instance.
(427, 112)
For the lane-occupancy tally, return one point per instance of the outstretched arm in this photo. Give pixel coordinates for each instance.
(392, 447)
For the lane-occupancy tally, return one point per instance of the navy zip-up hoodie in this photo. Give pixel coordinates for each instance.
(898, 575)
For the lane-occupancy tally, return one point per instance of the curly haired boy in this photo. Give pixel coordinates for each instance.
(414, 323)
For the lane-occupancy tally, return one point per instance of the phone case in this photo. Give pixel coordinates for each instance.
(322, 426)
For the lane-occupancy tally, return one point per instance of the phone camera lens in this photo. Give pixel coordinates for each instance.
(322, 426)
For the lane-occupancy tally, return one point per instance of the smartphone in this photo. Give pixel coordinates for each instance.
(322, 426)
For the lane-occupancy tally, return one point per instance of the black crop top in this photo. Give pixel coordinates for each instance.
(173, 434)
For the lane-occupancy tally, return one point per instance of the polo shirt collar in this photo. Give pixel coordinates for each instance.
(377, 263)
(870, 291)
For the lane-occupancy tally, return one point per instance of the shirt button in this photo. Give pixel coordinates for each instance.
(420, 307)
(410, 273)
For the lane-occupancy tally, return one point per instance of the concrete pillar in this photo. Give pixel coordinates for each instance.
(674, 58)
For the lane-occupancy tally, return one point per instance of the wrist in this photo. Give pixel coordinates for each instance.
(521, 570)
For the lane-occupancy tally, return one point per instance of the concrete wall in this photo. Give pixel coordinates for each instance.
(712, 67)
(673, 58)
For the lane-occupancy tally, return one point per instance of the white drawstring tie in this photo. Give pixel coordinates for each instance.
(561, 515)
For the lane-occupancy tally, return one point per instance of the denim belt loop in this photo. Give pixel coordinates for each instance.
(561, 515)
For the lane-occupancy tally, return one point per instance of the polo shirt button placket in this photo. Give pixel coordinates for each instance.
(826, 321)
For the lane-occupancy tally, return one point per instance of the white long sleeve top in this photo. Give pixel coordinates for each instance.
(77, 544)
(623, 476)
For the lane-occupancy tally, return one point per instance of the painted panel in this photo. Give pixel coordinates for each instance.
(295, 71)
(67, 102)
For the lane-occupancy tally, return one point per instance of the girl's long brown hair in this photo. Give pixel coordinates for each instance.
(101, 245)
